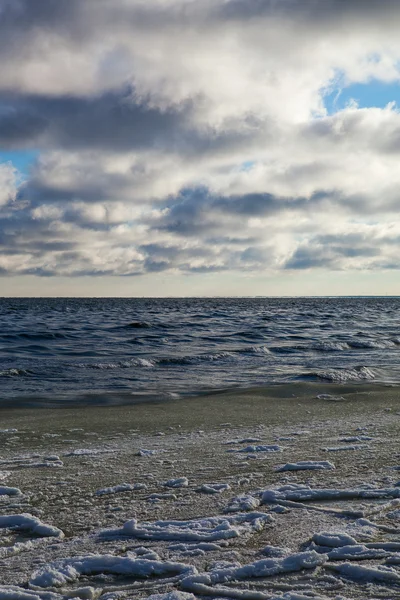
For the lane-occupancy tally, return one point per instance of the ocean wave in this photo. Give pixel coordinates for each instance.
(255, 350)
(189, 360)
(330, 346)
(360, 373)
(14, 373)
(36, 336)
(372, 344)
(123, 364)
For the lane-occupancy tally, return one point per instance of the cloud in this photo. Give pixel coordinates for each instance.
(193, 137)
(8, 183)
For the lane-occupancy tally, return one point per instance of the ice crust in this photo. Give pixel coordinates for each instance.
(179, 482)
(122, 487)
(65, 571)
(207, 529)
(329, 530)
(9, 491)
(213, 488)
(27, 522)
(258, 448)
(304, 493)
(306, 465)
(204, 584)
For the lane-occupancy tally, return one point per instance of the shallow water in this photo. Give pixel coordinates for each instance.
(106, 349)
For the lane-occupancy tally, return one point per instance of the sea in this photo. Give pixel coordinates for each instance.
(74, 351)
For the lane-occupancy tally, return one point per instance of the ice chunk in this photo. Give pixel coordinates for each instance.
(367, 574)
(89, 451)
(145, 452)
(172, 596)
(27, 522)
(13, 592)
(208, 529)
(305, 493)
(204, 584)
(69, 570)
(305, 465)
(356, 552)
(180, 482)
(213, 488)
(241, 503)
(9, 491)
(252, 449)
(122, 487)
(333, 539)
(343, 448)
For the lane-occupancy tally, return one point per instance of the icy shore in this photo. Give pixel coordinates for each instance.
(163, 509)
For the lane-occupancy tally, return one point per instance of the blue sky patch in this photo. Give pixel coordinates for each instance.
(21, 159)
(367, 95)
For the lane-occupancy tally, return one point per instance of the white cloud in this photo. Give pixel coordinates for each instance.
(8, 183)
(192, 136)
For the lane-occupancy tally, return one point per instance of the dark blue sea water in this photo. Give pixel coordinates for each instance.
(111, 350)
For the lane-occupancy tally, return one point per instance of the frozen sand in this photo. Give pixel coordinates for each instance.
(189, 519)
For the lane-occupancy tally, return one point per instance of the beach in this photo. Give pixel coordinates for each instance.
(280, 492)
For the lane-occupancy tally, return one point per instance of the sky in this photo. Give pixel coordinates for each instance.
(199, 147)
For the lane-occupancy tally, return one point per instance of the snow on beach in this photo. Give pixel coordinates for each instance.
(135, 514)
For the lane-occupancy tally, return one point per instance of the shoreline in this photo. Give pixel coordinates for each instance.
(284, 403)
(206, 464)
(115, 398)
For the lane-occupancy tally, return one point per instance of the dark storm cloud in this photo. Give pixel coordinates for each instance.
(109, 121)
(199, 211)
(329, 251)
(20, 128)
(310, 10)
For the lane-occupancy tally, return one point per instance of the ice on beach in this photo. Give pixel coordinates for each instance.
(304, 493)
(9, 491)
(9, 430)
(158, 497)
(357, 552)
(209, 529)
(122, 487)
(343, 448)
(145, 452)
(249, 440)
(18, 547)
(180, 482)
(274, 551)
(367, 574)
(305, 465)
(33, 462)
(333, 539)
(202, 546)
(207, 583)
(13, 592)
(253, 449)
(242, 503)
(171, 596)
(27, 522)
(89, 451)
(68, 570)
(356, 438)
(213, 488)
